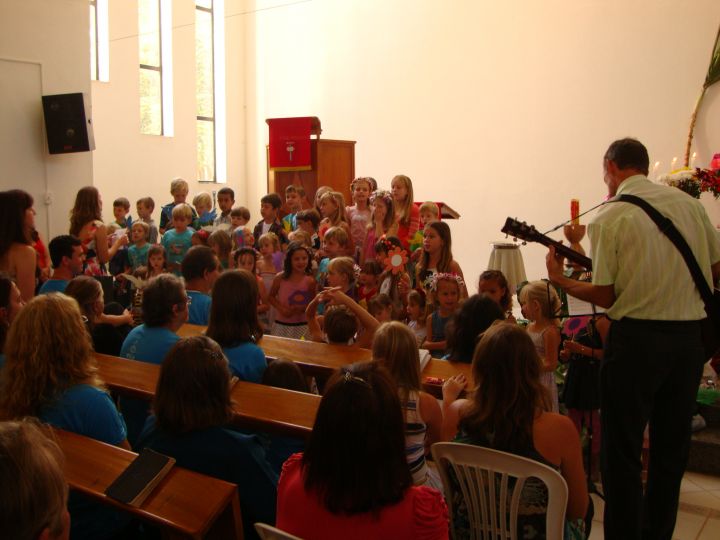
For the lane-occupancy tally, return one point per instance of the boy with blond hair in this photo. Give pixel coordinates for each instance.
(205, 212)
(178, 240)
(179, 189)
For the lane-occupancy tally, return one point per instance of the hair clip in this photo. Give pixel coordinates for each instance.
(349, 377)
(386, 196)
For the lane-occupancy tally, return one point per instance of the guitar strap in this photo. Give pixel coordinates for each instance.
(668, 228)
(710, 325)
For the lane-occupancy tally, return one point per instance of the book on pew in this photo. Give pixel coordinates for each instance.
(135, 483)
(424, 359)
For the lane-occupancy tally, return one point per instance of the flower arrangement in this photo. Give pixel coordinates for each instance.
(694, 182)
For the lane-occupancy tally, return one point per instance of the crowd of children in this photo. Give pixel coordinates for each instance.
(379, 274)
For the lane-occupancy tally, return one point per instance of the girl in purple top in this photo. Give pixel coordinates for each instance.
(291, 291)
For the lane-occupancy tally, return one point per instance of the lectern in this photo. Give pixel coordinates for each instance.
(332, 162)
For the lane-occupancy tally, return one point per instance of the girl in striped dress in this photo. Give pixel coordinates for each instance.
(395, 347)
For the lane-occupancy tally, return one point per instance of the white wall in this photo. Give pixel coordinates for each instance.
(497, 108)
(51, 34)
(128, 163)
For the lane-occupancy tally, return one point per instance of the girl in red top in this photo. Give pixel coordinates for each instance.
(406, 213)
(353, 480)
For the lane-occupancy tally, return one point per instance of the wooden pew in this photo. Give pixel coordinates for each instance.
(256, 407)
(185, 504)
(321, 359)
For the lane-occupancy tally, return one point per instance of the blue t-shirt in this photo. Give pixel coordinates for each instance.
(88, 411)
(199, 308)
(53, 285)
(146, 344)
(322, 272)
(247, 361)
(138, 256)
(177, 245)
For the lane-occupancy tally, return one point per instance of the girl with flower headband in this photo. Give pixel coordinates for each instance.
(359, 214)
(382, 222)
(332, 209)
(437, 257)
(446, 289)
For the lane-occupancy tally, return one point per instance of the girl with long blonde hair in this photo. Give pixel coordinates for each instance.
(395, 347)
(332, 209)
(407, 214)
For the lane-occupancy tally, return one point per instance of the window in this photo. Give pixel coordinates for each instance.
(210, 90)
(155, 46)
(99, 43)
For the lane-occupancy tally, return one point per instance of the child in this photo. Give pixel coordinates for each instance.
(205, 212)
(393, 282)
(157, 261)
(138, 251)
(341, 273)
(437, 256)
(271, 255)
(179, 190)
(380, 307)
(301, 237)
(407, 215)
(145, 207)
(293, 201)
(395, 348)
(234, 327)
(308, 221)
(446, 294)
(239, 217)
(368, 282)
(178, 240)
(200, 238)
(476, 315)
(200, 269)
(269, 207)
(221, 243)
(246, 259)
(541, 305)
(117, 236)
(334, 245)
(319, 192)
(416, 316)
(382, 222)
(332, 209)
(121, 209)
(493, 284)
(291, 292)
(225, 201)
(345, 322)
(429, 213)
(359, 215)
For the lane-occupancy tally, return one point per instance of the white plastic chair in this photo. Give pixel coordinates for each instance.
(483, 475)
(268, 532)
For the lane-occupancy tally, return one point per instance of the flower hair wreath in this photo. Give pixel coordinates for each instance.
(445, 276)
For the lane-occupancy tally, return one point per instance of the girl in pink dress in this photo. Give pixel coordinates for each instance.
(291, 292)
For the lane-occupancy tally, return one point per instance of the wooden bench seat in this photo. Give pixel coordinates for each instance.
(185, 504)
(321, 359)
(256, 407)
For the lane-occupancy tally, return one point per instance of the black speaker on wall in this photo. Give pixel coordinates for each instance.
(68, 123)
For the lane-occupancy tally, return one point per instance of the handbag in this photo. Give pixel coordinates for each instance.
(711, 324)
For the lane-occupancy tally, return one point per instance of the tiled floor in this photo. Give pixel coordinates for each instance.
(699, 513)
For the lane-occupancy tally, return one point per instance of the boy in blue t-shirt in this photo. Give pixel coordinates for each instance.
(179, 190)
(200, 269)
(178, 240)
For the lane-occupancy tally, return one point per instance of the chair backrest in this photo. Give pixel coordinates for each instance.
(484, 479)
(268, 532)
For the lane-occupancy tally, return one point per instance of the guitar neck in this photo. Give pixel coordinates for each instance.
(570, 254)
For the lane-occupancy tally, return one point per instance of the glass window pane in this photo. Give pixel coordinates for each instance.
(93, 43)
(150, 102)
(204, 63)
(204, 3)
(206, 150)
(149, 32)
